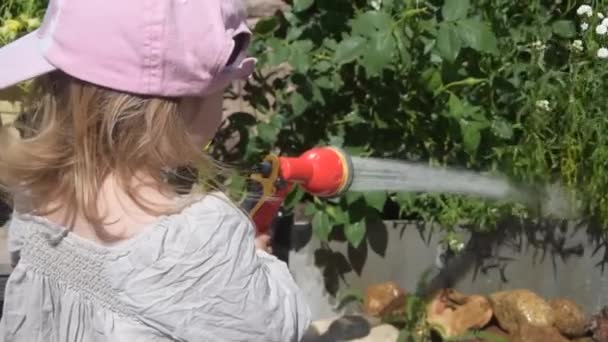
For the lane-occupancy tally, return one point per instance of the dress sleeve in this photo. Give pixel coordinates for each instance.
(220, 288)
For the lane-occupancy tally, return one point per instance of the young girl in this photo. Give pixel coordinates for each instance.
(104, 247)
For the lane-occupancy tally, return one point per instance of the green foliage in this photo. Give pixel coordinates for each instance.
(18, 17)
(498, 86)
(487, 85)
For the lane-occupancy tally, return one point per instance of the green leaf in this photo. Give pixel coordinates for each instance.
(237, 185)
(455, 9)
(368, 23)
(324, 82)
(376, 199)
(300, 57)
(355, 233)
(294, 33)
(310, 209)
(471, 136)
(448, 42)
(339, 215)
(379, 53)
(354, 118)
(279, 52)
(502, 129)
(302, 5)
(564, 28)
(294, 197)
(298, 103)
(353, 196)
(477, 35)
(404, 197)
(336, 140)
(267, 133)
(455, 107)
(432, 79)
(266, 26)
(323, 66)
(349, 49)
(277, 121)
(321, 226)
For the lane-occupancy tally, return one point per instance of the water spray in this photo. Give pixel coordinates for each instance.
(328, 172)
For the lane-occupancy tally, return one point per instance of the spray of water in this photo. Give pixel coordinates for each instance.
(372, 174)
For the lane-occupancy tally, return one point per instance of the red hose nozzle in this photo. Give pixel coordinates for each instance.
(321, 171)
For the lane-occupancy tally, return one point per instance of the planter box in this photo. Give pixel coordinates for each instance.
(554, 260)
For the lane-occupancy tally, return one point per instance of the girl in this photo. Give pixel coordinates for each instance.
(107, 250)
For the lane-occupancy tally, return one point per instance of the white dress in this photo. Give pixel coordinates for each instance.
(192, 276)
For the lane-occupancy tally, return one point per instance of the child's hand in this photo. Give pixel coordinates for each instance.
(262, 242)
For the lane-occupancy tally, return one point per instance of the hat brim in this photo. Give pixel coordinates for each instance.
(22, 60)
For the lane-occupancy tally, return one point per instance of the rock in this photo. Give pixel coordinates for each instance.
(521, 307)
(453, 314)
(383, 299)
(570, 319)
(598, 326)
(531, 333)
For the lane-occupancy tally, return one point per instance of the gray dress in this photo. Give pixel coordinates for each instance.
(193, 276)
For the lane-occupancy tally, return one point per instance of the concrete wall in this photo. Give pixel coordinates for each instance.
(554, 260)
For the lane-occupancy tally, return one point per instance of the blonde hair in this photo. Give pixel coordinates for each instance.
(75, 134)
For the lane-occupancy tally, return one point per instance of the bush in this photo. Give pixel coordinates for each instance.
(493, 85)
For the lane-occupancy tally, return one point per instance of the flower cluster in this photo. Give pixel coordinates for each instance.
(543, 105)
(601, 28)
(376, 4)
(577, 45)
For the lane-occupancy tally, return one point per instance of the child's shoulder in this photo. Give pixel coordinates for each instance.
(212, 214)
(215, 205)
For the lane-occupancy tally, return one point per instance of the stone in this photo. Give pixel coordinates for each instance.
(382, 299)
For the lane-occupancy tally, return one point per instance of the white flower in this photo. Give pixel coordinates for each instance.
(538, 45)
(585, 10)
(584, 26)
(602, 53)
(601, 30)
(600, 15)
(558, 1)
(543, 104)
(577, 45)
(376, 4)
(604, 22)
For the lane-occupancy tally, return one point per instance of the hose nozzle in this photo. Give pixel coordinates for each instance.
(321, 171)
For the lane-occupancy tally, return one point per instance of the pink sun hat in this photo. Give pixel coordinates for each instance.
(171, 48)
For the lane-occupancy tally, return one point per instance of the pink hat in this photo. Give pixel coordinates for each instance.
(168, 48)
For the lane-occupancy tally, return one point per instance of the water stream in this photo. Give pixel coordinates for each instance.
(371, 174)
